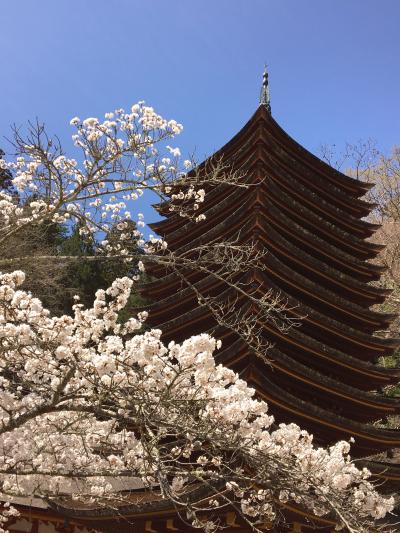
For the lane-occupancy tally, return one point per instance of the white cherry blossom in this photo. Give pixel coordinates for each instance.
(87, 402)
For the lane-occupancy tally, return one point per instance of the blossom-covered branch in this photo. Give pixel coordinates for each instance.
(89, 405)
(122, 157)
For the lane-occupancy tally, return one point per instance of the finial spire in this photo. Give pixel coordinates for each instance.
(264, 94)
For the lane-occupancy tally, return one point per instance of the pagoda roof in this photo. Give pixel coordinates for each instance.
(263, 125)
(309, 219)
(189, 316)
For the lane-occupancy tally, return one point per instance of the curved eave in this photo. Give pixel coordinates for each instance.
(330, 307)
(199, 319)
(335, 177)
(259, 142)
(316, 326)
(259, 231)
(360, 375)
(368, 438)
(357, 403)
(162, 515)
(241, 210)
(270, 198)
(266, 172)
(274, 236)
(355, 340)
(386, 474)
(262, 118)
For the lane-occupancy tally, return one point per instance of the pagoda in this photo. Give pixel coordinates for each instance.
(310, 219)
(322, 374)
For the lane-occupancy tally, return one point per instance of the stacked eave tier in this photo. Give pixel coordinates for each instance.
(147, 512)
(309, 218)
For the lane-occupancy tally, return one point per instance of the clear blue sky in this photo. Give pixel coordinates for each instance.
(334, 65)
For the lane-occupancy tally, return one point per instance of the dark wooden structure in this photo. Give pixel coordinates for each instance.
(311, 220)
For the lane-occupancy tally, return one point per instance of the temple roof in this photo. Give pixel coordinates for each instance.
(310, 218)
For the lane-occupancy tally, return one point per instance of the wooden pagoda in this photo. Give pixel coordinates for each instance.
(323, 375)
(311, 220)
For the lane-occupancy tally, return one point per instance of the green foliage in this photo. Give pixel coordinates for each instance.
(5, 178)
(82, 277)
(56, 280)
(85, 277)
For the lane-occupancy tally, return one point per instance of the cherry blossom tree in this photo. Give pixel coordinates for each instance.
(88, 402)
(121, 158)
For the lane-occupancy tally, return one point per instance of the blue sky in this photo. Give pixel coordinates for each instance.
(334, 65)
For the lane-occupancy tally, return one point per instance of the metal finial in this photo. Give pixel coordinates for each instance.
(264, 94)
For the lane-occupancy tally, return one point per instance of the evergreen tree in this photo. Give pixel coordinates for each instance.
(5, 178)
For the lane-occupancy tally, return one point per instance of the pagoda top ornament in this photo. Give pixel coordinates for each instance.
(264, 93)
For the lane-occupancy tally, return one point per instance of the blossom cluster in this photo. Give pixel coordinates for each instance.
(90, 405)
(120, 158)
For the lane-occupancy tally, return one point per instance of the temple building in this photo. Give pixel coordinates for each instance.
(310, 219)
(322, 373)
